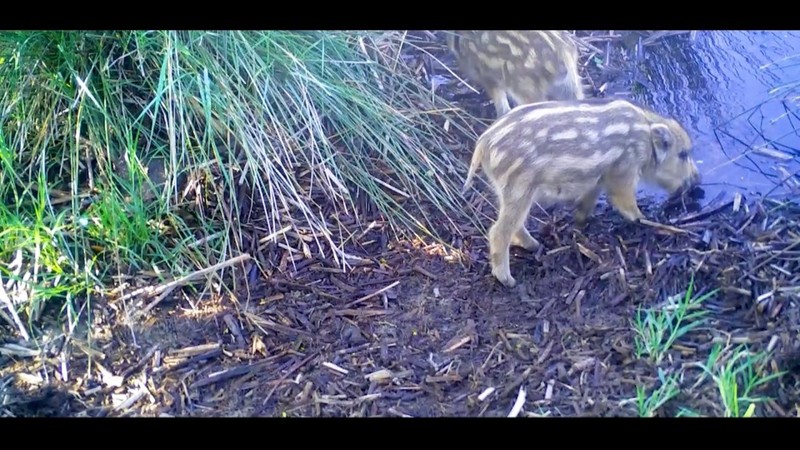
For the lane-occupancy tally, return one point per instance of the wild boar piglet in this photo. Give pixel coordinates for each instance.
(569, 152)
(528, 65)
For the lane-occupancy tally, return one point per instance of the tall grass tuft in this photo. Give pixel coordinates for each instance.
(161, 152)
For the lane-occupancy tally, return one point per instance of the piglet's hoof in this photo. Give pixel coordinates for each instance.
(505, 279)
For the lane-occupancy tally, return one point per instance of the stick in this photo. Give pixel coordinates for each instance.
(166, 289)
(662, 226)
(369, 296)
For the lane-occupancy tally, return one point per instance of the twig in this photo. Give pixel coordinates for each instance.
(369, 296)
(720, 205)
(585, 43)
(130, 401)
(425, 272)
(194, 350)
(165, 289)
(663, 226)
(18, 350)
(191, 360)
(150, 291)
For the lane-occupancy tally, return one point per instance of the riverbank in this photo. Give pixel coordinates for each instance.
(420, 330)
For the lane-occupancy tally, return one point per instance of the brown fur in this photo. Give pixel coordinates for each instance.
(571, 151)
(528, 65)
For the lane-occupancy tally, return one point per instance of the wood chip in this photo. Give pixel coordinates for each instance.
(373, 294)
(518, 404)
(379, 376)
(457, 343)
(335, 368)
(485, 394)
(548, 392)
(588, 253)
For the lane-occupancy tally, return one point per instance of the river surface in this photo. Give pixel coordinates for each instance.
(735, 91)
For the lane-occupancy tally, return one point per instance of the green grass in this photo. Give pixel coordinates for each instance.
(300, 119)
(657, 329)
(736, 373)
(647, 405)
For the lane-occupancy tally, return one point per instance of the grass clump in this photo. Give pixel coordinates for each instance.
(161, 152)
(738, 373)
(657, 329)
(735, 373)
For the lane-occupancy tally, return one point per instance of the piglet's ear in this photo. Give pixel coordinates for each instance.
(662, 140)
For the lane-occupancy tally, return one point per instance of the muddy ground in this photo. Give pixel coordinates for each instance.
(417, 332)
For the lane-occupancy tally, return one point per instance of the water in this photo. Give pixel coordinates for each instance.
(720, 86)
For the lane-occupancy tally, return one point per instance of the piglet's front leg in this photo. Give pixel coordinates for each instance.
(623, 199)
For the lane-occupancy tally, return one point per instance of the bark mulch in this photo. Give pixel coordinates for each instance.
(414, 333)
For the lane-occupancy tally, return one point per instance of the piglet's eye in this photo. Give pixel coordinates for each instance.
(683, 154)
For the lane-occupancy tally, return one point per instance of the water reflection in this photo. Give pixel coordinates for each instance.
(733, 90)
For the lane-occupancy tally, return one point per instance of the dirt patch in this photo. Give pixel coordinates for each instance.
(416, 330)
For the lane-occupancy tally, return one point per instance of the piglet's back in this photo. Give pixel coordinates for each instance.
(575, 128)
